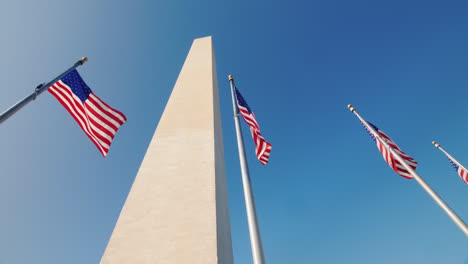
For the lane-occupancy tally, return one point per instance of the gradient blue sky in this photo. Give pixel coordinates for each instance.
(327, 196)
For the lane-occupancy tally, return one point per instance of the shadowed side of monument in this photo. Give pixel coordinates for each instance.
(177, 209)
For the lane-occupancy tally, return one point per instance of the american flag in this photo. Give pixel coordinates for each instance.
(262, 147)
(461, 171)
(388, 157)
(98, 120)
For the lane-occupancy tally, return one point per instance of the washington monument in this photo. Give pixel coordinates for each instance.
(177, 209)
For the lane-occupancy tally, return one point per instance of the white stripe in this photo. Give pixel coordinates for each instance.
(389, 158)
(111, 130)
(251, 122)
(259, 135)
(252, 119)
(76, 100)
(400, 166)
(262, 150)
(412, 164)
(242, 108)
(399, 151)
(96, 130)
(117, 115)
(463, 174)
(405, 174)
(246, 113)
(383, 150)
(252, 131)
(104, 115)
(72, 111)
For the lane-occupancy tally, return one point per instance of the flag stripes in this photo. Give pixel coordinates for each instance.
(460, 170)
(388, 156)
(262, 147)
(98, 121)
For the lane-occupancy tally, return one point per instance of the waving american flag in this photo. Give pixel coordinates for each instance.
(461, 171)
(388, 156)
(98, 120)
(262, 147)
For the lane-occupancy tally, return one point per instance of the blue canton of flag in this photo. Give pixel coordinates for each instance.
(460, 170)
(455, 166)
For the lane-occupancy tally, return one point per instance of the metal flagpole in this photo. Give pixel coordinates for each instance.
(462, 174)
(448, 155)
(416, 176)
(39, 89)
(255, 240)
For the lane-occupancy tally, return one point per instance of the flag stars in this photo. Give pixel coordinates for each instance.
(78, 86)
(455, 166)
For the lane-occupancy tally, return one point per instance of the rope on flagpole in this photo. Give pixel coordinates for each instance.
(37, 91)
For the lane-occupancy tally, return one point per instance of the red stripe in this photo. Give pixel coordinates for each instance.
(72, 109)
(102, 129)
(251, 124)
(250, 121)
(102, 119)
(109, 114)
(392, 162)
(399, 163)
(262, 147)
(247, 115)
(66, 92)
(87, 120)
(113, 109)
(77, 116)
(97, 128)
(104, 113)
(78, 107)
(96, 132)
(464, 175)
(100, 126)
(53, 91)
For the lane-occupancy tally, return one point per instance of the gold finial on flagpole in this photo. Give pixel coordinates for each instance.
(435, 144)
(81, 61)
(351, 108)
(231, 77)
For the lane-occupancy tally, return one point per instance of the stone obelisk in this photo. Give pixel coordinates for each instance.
(177, 209)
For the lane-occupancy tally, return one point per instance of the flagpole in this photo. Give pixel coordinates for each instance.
(448, 155)
(455, 218)
(255, 239)
(39, 89)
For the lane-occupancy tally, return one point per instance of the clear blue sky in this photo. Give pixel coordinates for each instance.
(326, 196)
